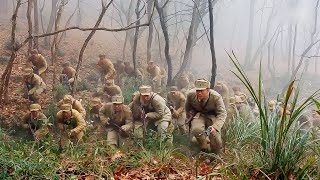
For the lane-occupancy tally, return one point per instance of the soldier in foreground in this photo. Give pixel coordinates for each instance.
(117, 118)
(75, 104)
(35, 122)
(68, 75)
(155, 114)
(207, 110)
(70, 124)
(38, 63)
(177, 102)
(34, 85)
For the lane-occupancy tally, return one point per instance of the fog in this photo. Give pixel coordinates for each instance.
(284, 27)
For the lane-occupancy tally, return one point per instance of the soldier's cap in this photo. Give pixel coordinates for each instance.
(35, 107)
(117, 99)
(65, 107)
(34, 51)
(68, 99)
(202, 84)
(238, 99)
(271, 104)
(102, 55)
(27, 71)
(95, 101)
(66, 64)
(109, 81)
(145, 90)
(173, 88)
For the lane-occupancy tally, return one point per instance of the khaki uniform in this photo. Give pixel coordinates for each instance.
(71, 74)
(223, 90)
(211, 112)
(119, 67)
(106, 69)
(179, 116)
(72, 129)
(122, 119)
(155, 77)
(36, 127)
(111, 90)
(75, 105)
(35, 85)
(95, 118)
(158, 115)
(129, 70)
(39, 63)
(246, 113)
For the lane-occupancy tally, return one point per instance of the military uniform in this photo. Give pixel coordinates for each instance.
(71, 128)
(207, 112)
(155, 76)
(223, 90)
(110, 89)
(120, 69)
(68, 99)
(70, 74)
(155, 112)
(36, 126)
(177, 102)
(38, 62)
(128, 69)
(96, 104)
(34, 84)
(244, 109)
(114, 119)
(106, 68)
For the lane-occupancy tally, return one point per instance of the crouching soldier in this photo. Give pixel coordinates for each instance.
(68, 75)
(177, 101)
(208, 111)
(155, 113)
(70, 124)
(38, 63)
(96, 104)
(35, 123)
(117, 118)
(34, 85)
(75, 104)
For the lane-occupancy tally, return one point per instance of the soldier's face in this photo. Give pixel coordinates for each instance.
(34, 114)
(117, 107)
(173, 93)
(202, 94)
(145, 98)
(66, 115)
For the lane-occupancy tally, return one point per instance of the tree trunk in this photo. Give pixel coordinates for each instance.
(5, 77)
(128, 18)
(213, 54)
(294, 48)
(136, 34)
(167, 42)
(150, 34)
(41, 17)
(103, 11)
(30, 2)
(51, 21)
(289, 47)
(66, 25)
(36, 23)
(247, 57)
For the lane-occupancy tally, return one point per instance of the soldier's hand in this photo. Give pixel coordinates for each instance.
(191, 114)
(213, 130)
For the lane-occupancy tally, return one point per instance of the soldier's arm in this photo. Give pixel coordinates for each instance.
(159, 110)
(24, 123)
(157, 73)
(182, 104)
(110, 70)
(128, 118)
(188, 106)
(81, 124)
(80, 108)
(59, 121)
(36, 82)
(43, 128)
(221, 113)
(102, 115)
(44, 64)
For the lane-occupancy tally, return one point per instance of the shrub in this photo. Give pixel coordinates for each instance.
(59, 91)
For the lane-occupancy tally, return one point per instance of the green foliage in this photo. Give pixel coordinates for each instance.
(93, 76)
(4, 60)
(83, 85)
(59, 91)
(283, 148)
(131, 85)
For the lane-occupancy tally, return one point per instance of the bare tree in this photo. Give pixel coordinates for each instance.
(250, 32)
(29, 24)
(213, 53)
(128, 33)
(160, 10)
(36, 22)
(51, 20)
(135, 41)
(150, 5)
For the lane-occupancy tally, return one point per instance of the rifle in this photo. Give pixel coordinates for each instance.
(145, 122)
(207, 131)
(27, 92)
(122, 132)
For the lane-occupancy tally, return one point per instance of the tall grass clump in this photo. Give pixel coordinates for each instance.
(282, 148)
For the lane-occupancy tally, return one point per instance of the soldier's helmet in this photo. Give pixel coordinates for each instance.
(95, 101)
(145, 90)
(34, 51)
(65, 107)
(27, 72)
(68, 99)
(117, 99)
(35, 107)
(202, 84)
(173, 88)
